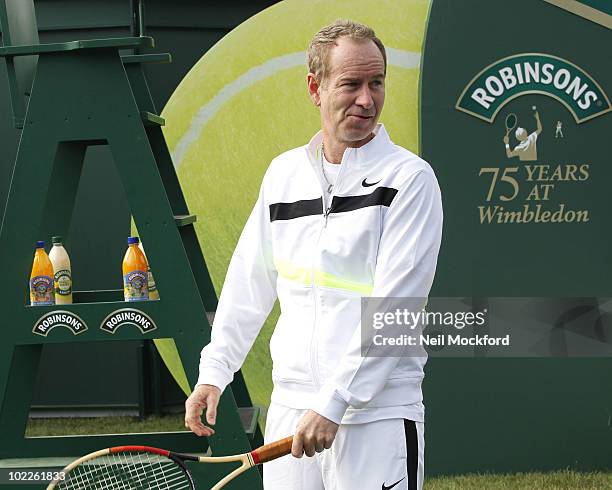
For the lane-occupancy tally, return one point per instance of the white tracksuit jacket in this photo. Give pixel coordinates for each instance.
(380, 238)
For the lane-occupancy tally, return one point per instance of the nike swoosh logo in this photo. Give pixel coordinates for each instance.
(385, 487)
(366, 184)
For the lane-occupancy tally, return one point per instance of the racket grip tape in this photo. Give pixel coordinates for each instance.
(272, 451)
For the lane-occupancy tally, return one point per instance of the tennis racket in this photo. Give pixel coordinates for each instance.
(151, 468)
(510, 122)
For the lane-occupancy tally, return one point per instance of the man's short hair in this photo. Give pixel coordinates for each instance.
(322, 42)
(520, 132)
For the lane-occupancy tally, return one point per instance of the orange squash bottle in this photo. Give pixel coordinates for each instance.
(135, 277)
(41, 278)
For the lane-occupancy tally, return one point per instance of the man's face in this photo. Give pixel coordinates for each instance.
(352, 96)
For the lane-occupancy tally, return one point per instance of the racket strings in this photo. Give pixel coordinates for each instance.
(127, 471)
(510, 122)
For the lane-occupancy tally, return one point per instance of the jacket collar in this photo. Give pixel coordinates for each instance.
(373, 149)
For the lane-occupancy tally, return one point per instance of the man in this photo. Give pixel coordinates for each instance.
(526, 150)
(348, 215)
(559, 130)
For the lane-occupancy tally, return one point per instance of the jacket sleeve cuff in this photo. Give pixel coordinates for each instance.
(330, 405)
(216, 376)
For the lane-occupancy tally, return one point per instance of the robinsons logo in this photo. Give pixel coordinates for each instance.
(531, 171)
(128, 316)
(66, 319)
(533, 73)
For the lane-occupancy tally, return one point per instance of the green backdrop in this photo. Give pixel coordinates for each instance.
(516, 414)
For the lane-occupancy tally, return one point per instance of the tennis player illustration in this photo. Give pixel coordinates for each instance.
(349, 214)
(526, 150)
(559, 130)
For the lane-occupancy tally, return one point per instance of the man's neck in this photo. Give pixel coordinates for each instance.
(334, 150)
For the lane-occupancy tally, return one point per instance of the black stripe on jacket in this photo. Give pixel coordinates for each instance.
(291, 210)
(382, 196)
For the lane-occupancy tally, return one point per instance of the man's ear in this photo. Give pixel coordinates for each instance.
(313, 89)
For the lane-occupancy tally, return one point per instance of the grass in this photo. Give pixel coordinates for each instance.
(107, 425)
(559, 480)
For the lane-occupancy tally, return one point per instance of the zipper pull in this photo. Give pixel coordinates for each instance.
(327, 214)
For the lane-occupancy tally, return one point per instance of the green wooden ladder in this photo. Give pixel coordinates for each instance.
(65, 97)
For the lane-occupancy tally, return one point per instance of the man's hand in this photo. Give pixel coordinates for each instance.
(537, 118)
(204, 396)
(313, 434)
(506, 139)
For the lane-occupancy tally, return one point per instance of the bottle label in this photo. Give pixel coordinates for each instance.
(151, 282)
(41, 291)
(63, 283)
(135, 286)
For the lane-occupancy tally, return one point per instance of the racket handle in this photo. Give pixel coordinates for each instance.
(272, 451)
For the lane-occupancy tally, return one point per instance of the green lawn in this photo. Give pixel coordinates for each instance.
(560, 480)
(107, 425)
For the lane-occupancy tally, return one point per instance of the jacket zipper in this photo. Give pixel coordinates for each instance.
(314, 367)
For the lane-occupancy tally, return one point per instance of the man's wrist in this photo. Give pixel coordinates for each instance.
(330, 405)
(212, 375)
(207, 384)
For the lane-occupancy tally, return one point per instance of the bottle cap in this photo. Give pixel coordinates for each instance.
(57, 239)
(40, 244)
(132, 240)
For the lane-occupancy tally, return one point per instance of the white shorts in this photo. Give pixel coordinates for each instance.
(384, 454)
